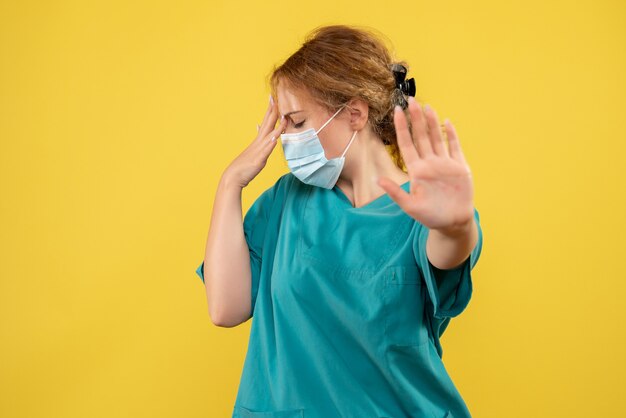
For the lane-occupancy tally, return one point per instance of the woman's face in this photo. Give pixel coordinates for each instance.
(303, 113)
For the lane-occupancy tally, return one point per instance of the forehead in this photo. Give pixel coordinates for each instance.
(291, 99)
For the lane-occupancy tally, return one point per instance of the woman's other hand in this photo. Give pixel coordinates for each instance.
(441, 193)
(252, 160)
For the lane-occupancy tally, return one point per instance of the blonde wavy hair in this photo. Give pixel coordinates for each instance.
(337, 63)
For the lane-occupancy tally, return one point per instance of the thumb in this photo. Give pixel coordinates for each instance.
(396, 192)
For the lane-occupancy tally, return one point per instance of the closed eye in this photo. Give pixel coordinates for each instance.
(298, 125)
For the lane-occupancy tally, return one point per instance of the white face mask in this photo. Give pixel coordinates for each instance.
(306, 160)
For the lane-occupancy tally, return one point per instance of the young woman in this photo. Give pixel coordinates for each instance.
(351, 266)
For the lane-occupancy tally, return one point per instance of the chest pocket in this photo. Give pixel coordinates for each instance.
(403, 295)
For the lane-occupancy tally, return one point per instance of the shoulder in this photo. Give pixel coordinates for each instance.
(282, 184)
(285, 185)
(285, 181)
(277, 191)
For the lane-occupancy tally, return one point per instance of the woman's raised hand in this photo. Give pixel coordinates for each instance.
(441, 190)
(252, 160)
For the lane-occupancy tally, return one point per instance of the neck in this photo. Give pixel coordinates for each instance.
(366, 161)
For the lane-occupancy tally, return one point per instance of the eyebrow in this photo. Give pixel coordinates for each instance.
(291, 113)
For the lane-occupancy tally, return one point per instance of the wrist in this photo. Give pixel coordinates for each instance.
(229, 181)
(457, 230)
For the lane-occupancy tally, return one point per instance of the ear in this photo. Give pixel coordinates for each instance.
(359, 113)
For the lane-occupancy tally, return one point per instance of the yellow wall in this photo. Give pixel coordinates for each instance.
(116, 121)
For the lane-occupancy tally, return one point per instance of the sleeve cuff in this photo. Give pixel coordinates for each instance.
(448, 290)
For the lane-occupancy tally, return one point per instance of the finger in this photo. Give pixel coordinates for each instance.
(454, 145)
(436, 139)
(397, 193)
(270, 121)
(405, 144)
(278, 130)
(266, 116)
(269, 143)
(419, 129)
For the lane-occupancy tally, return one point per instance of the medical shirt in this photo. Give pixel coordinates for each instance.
(347, 310)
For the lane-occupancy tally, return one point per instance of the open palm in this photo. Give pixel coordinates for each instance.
(441, 190)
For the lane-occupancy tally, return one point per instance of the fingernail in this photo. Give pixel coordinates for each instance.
(397, 108)
(271, 100)
(282, 118)
(411, 99)
(427, 108)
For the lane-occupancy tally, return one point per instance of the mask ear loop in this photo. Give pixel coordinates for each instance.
(351, 139)
(331, 118)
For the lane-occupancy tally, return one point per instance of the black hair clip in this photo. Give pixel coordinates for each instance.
(399, 74)
(403, 87)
